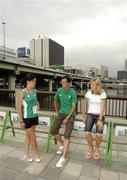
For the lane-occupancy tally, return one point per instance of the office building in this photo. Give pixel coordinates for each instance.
(104, 71)
(46, 52)
(122, 75)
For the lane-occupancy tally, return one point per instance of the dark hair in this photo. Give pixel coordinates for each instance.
(67, 78)
(28, 77)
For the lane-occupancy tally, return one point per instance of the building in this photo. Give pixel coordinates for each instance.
(122, 75)
(7, 53)
(93, 72)
(46, 52)
(75, 71)
(126, 65)
(104, 71)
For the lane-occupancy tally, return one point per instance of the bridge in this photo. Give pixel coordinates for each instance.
(14, 70)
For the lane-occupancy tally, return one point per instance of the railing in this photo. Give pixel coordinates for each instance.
(116, 105)
(7, 98)
(46, 99)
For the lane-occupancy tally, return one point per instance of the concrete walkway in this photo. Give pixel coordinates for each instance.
(14, 167)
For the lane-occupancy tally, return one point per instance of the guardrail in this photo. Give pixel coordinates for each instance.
(7, 98)
(116, 105)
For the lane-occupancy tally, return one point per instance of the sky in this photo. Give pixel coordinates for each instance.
(93, 32)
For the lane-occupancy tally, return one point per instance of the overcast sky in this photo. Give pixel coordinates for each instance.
(93, 32)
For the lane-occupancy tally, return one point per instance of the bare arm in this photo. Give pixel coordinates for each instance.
(56, 105)
(72, 110)
(102, 109)
(83, 110)
(70, 113)
(20, 102)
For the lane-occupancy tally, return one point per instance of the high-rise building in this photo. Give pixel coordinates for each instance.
(104, 71)
(126, 65)
(46, 52)
(122, 75)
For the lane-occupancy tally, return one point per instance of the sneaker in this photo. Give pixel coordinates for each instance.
(60, 150)
(60, 162)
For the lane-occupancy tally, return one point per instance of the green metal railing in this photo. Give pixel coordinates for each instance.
(108, 147)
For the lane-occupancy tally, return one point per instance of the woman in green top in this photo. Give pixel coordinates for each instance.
(28, 116)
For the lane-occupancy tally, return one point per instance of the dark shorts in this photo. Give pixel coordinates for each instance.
(29, 122)
(90, 121)
(68, 126)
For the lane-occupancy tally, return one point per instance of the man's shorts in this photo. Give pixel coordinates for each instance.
(90, 121)
(68, 126)
(29, 122)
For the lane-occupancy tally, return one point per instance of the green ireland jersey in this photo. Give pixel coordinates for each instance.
(29, 107)
(66, 98)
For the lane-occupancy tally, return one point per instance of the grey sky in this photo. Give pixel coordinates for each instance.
(93, 32)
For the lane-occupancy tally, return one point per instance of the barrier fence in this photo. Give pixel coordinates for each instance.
(108, 158)
(116, 105)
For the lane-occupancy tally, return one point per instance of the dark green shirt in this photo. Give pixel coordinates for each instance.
(66, 99)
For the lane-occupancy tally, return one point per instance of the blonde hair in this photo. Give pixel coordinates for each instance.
(98, 84)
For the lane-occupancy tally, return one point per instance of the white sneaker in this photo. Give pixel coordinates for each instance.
(60, 162)
(60, 150)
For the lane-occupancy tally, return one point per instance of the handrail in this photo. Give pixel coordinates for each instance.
(116, 105)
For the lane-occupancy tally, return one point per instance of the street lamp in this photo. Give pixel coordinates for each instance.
(4, 38)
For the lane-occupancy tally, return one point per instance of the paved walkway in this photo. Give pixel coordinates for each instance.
(14, 167)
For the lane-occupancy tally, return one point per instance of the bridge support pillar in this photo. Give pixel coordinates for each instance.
(11, 82)
(50, 85)
(81, 86)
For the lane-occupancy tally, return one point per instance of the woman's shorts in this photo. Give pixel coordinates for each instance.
(90, 121)
(29, 122)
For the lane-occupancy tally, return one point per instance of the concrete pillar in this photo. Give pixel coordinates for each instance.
(81, 86)
(50, 85)
(11, 82)
(16, 97)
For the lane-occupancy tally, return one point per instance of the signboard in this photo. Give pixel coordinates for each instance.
(121, 131)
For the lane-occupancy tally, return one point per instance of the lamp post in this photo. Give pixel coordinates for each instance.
(4, 38)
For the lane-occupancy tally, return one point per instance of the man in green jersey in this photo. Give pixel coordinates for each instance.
(66, 98)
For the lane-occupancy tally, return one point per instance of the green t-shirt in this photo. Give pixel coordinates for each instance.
(29, 107)
(66, 99)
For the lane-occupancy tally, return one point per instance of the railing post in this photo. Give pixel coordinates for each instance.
(126, 109)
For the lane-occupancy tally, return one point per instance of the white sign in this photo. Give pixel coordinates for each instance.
(79, 125)
(44, 120)
(121, 131)
(14, 117)
(2, 115)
